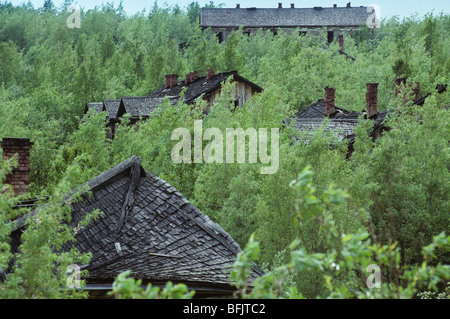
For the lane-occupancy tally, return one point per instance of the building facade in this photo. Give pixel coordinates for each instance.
(337, 20)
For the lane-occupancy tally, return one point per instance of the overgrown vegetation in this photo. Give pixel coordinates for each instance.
(391, 208)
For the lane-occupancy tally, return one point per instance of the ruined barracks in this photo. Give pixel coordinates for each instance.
(337, 20)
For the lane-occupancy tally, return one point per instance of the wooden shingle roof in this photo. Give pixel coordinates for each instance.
(148, 227)
(138, 106)
(200, 86)
(96, 106)
(317, 110)
(283, 17)
(142, 106)
(340, 128)
(309, 119)
(112, 107)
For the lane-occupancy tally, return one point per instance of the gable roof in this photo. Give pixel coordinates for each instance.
(200, 86)
(148, 227)
(137, 107)
(340, 128)
(142, 106)
(112, 107)
(96, 106)
(341, 124)
(283, 17)
(317, 110)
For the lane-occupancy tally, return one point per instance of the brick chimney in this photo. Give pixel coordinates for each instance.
(173, 80)
(187, 79)
(349, 5)
(167, 80)
(19, 178)
(238, 6)
(341, 42)
(372, 99)
(329, 101)
(280, 5)
(210, 74)
(292, 6)
(334, 5)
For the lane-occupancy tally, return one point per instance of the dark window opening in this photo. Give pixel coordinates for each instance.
(219, 36)
(236, 105)
(330, 36)
(274, 31)
(302, 33)
(247, 33)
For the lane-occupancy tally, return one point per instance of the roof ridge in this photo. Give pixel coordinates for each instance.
(104, 177)
(92, 184)
(139, 97)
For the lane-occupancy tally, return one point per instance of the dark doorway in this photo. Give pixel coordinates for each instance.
(330, 36)
(219, 36)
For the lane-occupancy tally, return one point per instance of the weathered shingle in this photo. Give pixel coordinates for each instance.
(163, 236)
(317, 110)
(138, 106)
(96, 106)
(198, 87)
(148, 227)
(284, 17)
(112, 107)
(340, 128)
(341, 124)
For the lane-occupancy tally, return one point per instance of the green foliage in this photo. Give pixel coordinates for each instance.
(244, 264)
(397, 185)
(38, 267)
(338, 267)
(11, 59)
(125, 287)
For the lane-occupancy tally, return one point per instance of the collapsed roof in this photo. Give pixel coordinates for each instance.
(148, 227)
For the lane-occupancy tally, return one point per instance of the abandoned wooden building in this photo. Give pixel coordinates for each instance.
(149, 228)
(337, 20)
(341, 122)
(111, 107)
(207, 87)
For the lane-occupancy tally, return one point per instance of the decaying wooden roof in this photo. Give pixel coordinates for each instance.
(138, 107)
(284, 17)
(200, 86)
(148, 227)
(112, 107)
(143, 106)
(96, 106)
(340, 128)
(342, 124)
(317, 110)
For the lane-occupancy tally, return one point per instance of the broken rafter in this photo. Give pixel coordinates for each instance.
(129, 198)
